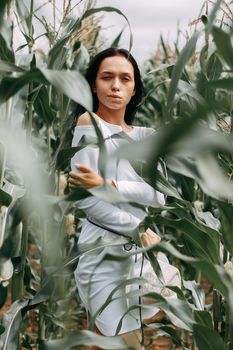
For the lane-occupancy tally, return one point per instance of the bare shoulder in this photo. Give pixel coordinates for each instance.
(85, 119)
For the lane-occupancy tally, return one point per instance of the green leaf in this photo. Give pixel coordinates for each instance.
(212, 15)
(203, 318)
(42, 106)
(225, 84)
(5, 198)
(116, 41)
(57, 55)
(197, 293)
(164, 186)
(81, 59)
(6, 53)
(177, 310)
(218, 187)
(185, 55)
(208, 219)
(195, 156)
(183, 164)
(224, 47)
(102, 147)
(9, 67)
(11, 321)
(158, 144)
(215, 273)
(2, 329)
(214, 67)
(46, 290)
(207, 339)
(3, 4)
(70, 83)
(3, 296)
(85, 338)
(93, 11)
(188, 93)
(24, 16)
(205, 245)
(226, 211)
(9, 86)
(64, 155)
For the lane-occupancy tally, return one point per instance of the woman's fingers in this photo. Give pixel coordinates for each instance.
(84, 168)
(74, 179)
(88, 178)
(72, 185)
(149, 237)
(73, 175)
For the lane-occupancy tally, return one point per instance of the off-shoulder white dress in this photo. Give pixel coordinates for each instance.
(95, 277)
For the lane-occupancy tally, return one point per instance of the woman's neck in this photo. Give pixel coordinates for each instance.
(112, 116)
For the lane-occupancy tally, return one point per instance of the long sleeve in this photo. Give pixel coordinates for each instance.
(137, 190)
(101, 212)
(140, 192)
(109, 215)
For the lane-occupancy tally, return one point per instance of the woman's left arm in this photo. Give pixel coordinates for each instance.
(140, 192)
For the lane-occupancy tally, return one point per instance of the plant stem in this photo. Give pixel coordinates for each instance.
(231, 105)
(41, 325)
(49, 141)
(2, 163)
(18, 278)
(31, 27)
(54, 18)
(216, 309)
(30, 88)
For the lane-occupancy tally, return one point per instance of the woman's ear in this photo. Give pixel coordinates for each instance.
(93, 88)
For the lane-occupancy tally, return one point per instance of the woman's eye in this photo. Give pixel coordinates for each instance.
(106, 78)
(126, 79)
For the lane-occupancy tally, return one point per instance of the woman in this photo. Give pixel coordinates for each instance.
(116, 85)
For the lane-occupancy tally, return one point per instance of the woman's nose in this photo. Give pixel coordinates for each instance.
(116, 84)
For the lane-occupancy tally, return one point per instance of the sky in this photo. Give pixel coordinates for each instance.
(148, 20)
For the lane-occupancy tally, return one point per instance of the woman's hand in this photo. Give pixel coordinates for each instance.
(149, 238)
(87, 179)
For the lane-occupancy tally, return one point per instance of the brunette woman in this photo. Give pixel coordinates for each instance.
(116, 86)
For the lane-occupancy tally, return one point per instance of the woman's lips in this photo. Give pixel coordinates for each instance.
(115, 96)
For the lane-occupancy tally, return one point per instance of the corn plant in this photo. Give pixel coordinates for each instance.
(193, 114)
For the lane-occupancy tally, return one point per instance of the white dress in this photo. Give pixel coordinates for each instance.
(95, 277)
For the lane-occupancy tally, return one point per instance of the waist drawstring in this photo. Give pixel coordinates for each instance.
(127, 246)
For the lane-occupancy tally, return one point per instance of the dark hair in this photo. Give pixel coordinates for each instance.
(92, 71)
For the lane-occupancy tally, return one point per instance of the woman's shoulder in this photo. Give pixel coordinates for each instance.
(85, 119)
(84, 127)
(143, 131)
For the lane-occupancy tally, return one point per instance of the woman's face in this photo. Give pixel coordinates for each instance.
(115, 83)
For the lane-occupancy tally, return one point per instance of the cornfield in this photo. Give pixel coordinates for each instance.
(189, 101)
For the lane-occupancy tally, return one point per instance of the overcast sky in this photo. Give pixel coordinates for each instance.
(149, 19)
